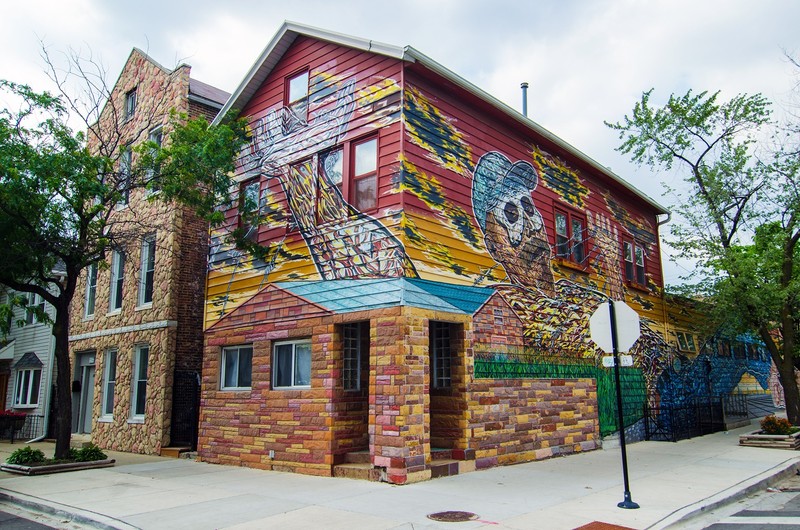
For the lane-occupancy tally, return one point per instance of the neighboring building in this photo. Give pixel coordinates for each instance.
(26, 366)
(136, 322)
(432, 258)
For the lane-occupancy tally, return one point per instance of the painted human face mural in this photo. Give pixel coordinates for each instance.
(513, 228)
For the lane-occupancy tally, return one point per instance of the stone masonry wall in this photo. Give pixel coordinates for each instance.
(169, 322)
(518, 420)
(121, 433)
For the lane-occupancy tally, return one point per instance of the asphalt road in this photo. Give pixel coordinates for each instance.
(12, 522)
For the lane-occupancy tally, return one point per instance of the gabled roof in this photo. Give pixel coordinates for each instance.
(289, 31)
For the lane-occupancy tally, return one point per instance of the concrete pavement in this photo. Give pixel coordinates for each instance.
(670, 481)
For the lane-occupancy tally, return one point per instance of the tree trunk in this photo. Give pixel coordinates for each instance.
(791, 393)
(63, 427)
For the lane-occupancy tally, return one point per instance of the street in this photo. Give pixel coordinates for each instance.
(778, 506)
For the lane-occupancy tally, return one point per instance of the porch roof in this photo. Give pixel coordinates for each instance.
(345, 296)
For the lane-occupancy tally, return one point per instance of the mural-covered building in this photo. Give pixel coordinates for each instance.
(429, 262)
(136, 321)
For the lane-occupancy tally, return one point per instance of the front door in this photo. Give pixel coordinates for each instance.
(86, 375)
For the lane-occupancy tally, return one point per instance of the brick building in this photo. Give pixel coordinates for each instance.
(136, 324)
(431, 258)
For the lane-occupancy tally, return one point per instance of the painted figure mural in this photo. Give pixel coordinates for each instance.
(295, 166)
(304, 155)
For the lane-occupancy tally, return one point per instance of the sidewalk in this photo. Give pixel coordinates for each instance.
(670, 481)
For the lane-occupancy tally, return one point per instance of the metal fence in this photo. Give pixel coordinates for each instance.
(31, 427)
(702, 415)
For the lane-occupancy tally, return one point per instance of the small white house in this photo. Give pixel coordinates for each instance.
(26, 368)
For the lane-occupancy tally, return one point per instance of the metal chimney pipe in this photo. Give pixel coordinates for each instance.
(524, 87)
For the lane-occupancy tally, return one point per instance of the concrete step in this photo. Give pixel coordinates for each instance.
(358, 457)
(357, 471)
(444, 467)
(174, 452)
(439, 453)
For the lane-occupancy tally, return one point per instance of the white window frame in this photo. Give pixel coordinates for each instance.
(147, 264)
(124, 179)
(155, 135)
(109, 384)
(33, 301)
(293, 368)
(130, 104)
(90, 300)
(141, 354)
(117, 283)
(24, 388)
(235, 354)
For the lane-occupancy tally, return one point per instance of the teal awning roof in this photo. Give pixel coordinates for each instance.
(344, 296)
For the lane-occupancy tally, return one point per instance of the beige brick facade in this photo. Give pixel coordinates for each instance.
(170, 325)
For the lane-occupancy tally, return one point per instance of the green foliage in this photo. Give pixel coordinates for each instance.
(194, 167)
(58, 195)
(738, 211)
(777, 426)
(25, 456)
(89, 453)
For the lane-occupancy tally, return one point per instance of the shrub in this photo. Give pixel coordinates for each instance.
(89, 453)
(26, 456)
(774, 425)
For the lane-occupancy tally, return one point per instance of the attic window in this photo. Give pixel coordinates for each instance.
(297, 94)
(130, 104)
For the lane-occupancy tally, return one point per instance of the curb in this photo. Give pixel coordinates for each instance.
(84, 517)
(744, 488)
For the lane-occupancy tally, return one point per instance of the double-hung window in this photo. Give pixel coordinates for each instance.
(117, 279)
(364, 193)
(139, 381)
(297, 95)
(291, 364)
(237, 368)
(249, 192)
(35, 302)
(91, 290)
(633, 256)
(353, 169)
(156, 136)
(570, 236)
(124, 179)
(685, 341)
(130, 104)
(147, 270)
(26, 391)
(109, 383)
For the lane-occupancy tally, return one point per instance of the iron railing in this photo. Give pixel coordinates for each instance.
(31, 427)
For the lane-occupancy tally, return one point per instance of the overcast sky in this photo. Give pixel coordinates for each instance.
(586, 61)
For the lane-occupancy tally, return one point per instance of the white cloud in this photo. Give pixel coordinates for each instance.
(585, 61)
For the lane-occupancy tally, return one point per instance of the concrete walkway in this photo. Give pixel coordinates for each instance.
(670, 481)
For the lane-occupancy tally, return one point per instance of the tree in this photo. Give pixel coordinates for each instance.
(59, 189)
(739, 212)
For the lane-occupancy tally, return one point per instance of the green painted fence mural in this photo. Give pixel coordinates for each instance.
(531, 366)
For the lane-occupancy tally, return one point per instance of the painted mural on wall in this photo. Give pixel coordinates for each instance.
(493, 231)
(552, 300)
(300, 154)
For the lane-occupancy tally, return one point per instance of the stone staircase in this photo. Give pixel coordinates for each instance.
(442, 463)
(357, 465)
(175, 452)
